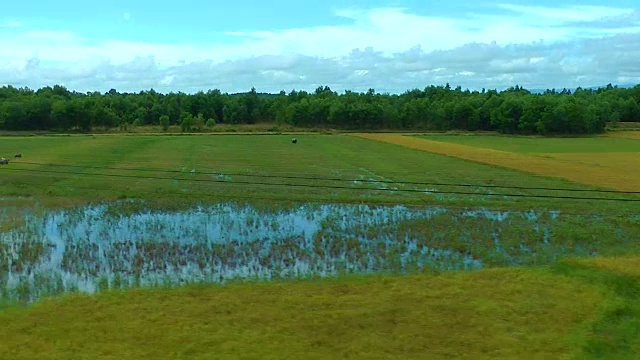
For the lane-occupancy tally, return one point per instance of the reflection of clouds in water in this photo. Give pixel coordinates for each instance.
(88, 245)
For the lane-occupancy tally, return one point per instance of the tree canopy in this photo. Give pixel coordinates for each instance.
(434, 108)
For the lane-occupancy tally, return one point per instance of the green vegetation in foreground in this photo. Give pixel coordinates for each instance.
(523, 144)
(234, 157)
(575, 310)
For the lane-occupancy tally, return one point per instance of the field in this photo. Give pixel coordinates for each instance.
(548, 159)
(336, 246)
(625, 134)
(535, 145)
(616, 153)
(584, 309)
(320, 167)
(526, 312)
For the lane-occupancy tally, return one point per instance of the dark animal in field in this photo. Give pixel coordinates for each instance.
(4, 161)
(17, 155)
(294, 141)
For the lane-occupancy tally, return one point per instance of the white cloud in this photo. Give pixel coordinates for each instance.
(531, 46)
(570, 13)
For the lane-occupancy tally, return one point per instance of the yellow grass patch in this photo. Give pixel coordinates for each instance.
(612, 178)
(624, 134)
(616, 162)
(492, 314)
(625, 265)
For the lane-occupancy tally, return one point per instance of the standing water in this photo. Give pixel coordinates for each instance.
(90, 248)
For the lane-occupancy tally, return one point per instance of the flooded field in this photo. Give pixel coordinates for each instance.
(89, 249)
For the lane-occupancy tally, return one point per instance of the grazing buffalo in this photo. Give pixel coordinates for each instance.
(17, 155)
(294, 141)
(4, 161)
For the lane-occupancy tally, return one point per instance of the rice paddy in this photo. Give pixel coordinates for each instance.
(611, 178)
(90, 249)
(530, 145)
(635, 135)
(613, 161)
(496, 314)
(68, 171)
(318, 249)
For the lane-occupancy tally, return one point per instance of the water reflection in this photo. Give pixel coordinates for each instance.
(90, 248)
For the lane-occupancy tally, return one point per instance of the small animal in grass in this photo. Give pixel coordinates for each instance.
(17, 155)
(294, 141)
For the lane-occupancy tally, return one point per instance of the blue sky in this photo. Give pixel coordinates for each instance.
(391, 46)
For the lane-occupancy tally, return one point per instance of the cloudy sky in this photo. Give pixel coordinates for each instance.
(391, 46)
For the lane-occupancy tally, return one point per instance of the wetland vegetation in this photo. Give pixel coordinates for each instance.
(254, 229)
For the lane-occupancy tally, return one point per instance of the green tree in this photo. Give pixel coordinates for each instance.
(199, 122)
(59, 114)
(186, 121)
(164, 122)
(110, 118)
(13, 115)
(515, 110)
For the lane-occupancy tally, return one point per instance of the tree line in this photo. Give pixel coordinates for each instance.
(434, 108)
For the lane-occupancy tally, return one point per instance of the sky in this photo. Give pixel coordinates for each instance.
(390, 46)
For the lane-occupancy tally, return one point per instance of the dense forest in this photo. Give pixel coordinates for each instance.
(437, 108)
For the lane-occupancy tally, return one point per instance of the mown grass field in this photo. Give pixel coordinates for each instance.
(580, 308)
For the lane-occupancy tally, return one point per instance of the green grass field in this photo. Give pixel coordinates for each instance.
(76, 169)
(303, 279)
(574, 311)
